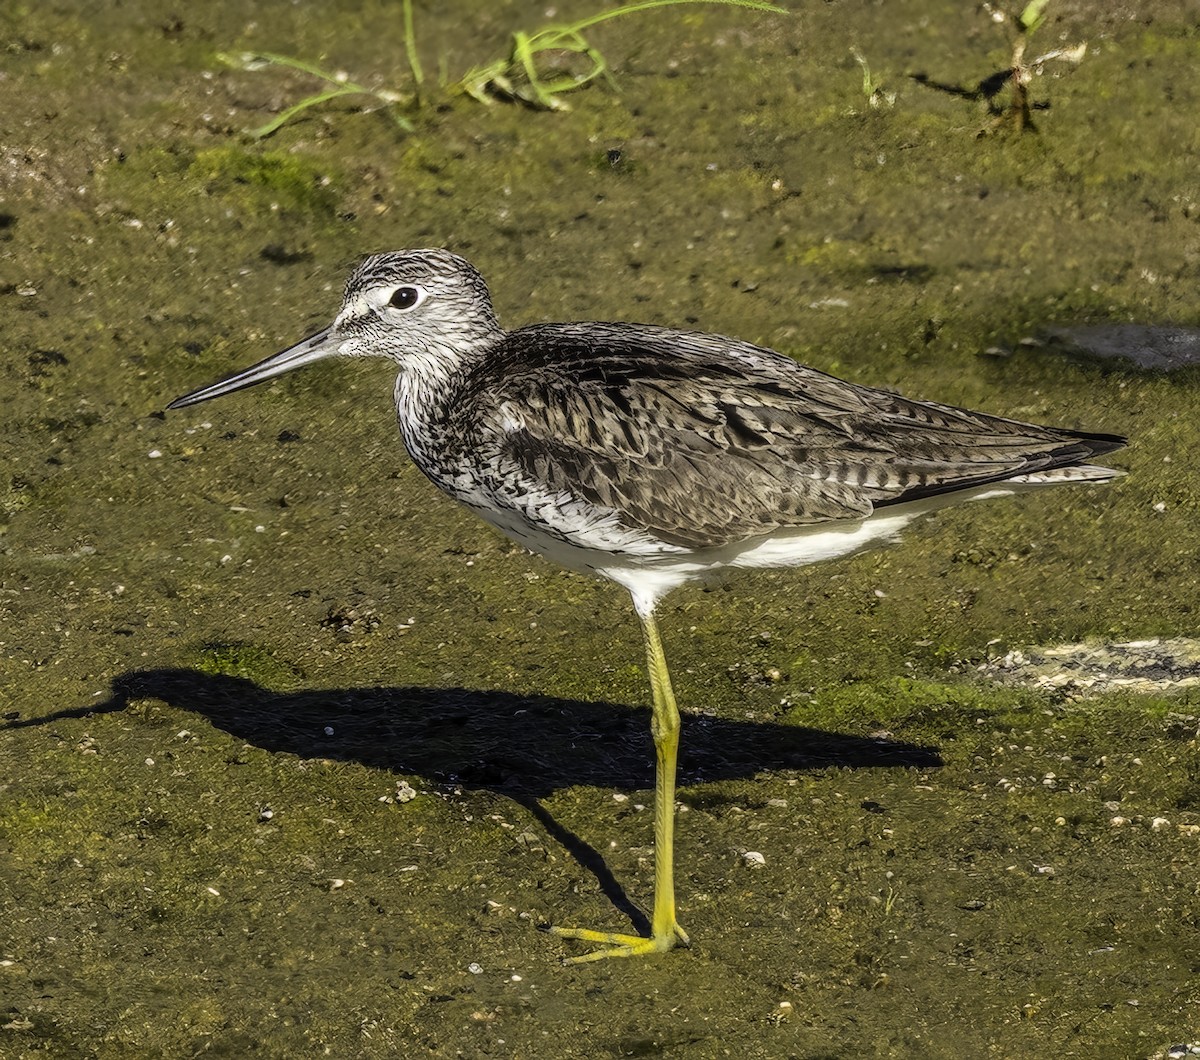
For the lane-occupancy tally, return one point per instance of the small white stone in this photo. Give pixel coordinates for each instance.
(754, 859)
(475, 969)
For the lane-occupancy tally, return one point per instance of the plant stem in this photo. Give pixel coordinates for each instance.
(646, 5)
(410, 44)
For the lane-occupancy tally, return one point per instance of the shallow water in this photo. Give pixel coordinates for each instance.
(259, 605)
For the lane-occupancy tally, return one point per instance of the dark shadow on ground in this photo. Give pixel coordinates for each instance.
(498, 741)
(522, 747)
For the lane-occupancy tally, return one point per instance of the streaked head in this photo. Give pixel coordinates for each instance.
(425, 309)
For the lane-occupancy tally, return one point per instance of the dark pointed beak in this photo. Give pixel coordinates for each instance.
(314, 348)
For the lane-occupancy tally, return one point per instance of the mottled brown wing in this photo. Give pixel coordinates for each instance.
(703, 441)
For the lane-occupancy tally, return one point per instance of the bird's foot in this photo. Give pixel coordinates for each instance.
(615, 944)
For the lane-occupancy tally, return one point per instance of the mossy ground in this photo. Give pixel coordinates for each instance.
(259, 606)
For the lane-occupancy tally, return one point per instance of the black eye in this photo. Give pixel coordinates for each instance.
(405, 297)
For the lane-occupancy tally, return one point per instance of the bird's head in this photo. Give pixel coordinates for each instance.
(425, 309)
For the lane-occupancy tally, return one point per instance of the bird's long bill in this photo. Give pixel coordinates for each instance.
(314, 348)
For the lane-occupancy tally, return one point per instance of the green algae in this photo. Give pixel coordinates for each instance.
(250, 661)
(249, 178)
(273, 175)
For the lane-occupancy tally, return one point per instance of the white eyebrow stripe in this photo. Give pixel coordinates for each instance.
(361, 305)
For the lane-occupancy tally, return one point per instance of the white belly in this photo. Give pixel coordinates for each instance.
(595, 542)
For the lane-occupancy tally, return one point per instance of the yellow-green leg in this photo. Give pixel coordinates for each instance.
(665, 933)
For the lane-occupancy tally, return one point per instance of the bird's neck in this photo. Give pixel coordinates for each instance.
(429, 381)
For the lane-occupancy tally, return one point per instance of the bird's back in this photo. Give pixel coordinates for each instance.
(701, 441)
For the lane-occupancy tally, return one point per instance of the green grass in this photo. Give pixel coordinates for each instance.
(523, 75)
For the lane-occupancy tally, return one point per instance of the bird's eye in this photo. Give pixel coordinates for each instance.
(406, 297)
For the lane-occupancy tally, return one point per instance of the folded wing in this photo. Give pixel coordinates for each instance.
(704, 441)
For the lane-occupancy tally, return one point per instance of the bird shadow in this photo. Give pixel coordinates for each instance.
(504, 742)
(523, 747)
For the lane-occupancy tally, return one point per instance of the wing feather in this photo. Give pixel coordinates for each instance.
(702, 441)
